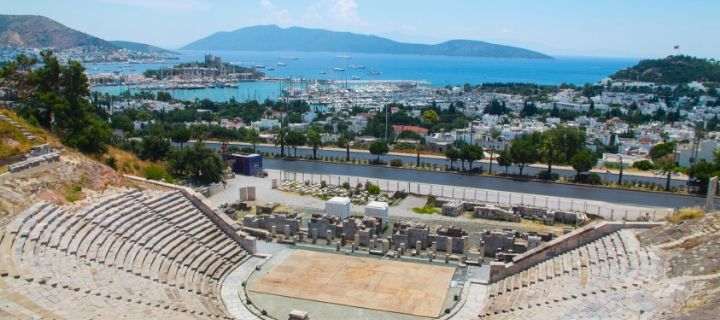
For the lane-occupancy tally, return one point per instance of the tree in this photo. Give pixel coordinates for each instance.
(529, 110)
(378, 148)
(471, 153)
(154, 148)
(181, 135)
(663, 155)
(57, 98)
(582, 161)
(430, 116)
(496, 108)
(280, 140)
(504, 159)
(453, 155)
(254, 138)
(522, 153)
(295, 139)
(344, 142)
(163, 96)
(198, 163)
(548, 149)
(315, 141)
(702, 172)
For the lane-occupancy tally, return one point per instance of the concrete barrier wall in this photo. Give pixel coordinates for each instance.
(227, 225)
(560, 245)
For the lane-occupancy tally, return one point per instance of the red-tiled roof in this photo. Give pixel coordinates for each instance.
(416, 129)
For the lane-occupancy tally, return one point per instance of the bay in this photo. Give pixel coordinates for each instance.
(434, 70)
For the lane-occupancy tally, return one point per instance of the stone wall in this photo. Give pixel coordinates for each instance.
(560, 245)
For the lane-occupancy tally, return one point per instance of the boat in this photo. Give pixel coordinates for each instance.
(282, 64)
(338, 69)
(356, 66)
(355, 78)
(373, 73)
(323, 72)
(270, 69)
(343, 56)
(259, 66)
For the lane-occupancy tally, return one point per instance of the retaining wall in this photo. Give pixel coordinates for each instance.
(560, 245)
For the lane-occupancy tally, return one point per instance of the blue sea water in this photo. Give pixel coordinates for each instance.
(436, 70)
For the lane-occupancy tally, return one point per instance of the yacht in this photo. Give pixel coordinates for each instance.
(356, 66)
(281, 64)
(323, 72)
(259, 66)
(373, 73)
(338, 69)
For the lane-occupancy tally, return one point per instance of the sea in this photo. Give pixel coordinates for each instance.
(360, 68)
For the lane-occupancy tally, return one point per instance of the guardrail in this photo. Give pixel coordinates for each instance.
(606, 210)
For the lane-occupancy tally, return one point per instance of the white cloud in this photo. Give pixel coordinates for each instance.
(276, 15)
(345, 12)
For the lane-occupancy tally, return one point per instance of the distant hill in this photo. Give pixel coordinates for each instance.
(274, 38)
(141, 47)
(672, 70)
(25, 31)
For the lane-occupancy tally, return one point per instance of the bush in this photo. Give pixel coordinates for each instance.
(644, 165)
(345, 185)
(544, 175)
(111, 162)
(373, 189)
(594, 179)
(155, 172)
(396, 163)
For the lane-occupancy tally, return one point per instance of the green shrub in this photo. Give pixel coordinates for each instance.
(644, 165)
(373, 189)
(396, 163)
(111, 162)
(155, 172)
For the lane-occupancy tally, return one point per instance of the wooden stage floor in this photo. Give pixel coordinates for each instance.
(387, 285)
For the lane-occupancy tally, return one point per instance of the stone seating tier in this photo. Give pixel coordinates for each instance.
(615, 266)
(145, 255)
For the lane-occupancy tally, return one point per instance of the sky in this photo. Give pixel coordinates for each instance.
(607, 28)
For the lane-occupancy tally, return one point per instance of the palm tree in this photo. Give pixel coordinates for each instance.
(280, 140)
(254, 139)
(344, 142)
(315, 141)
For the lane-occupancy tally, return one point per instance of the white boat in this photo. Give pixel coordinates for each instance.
(373, 73)
(343, 56)
(356, 66)
(323, 72)
(338, 69)
(355, 77)
(259, 66)
(282, 64)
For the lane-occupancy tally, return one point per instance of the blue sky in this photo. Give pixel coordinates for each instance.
(608, 28)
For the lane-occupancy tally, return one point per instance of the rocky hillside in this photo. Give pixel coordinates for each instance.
(691, 255)
(21, 31)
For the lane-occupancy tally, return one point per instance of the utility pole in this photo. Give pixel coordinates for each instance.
(621, 171)
(386, 123)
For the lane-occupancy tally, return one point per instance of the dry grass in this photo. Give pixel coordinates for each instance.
(687, 214)
(13, 142)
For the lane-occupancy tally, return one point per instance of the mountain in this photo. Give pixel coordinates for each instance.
(141, 47)
(274, 38)
(671, 70)
(25, 31)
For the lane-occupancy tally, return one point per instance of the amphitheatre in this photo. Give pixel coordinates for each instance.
(131, 248)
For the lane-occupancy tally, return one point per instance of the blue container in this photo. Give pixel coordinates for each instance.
(249, 165)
